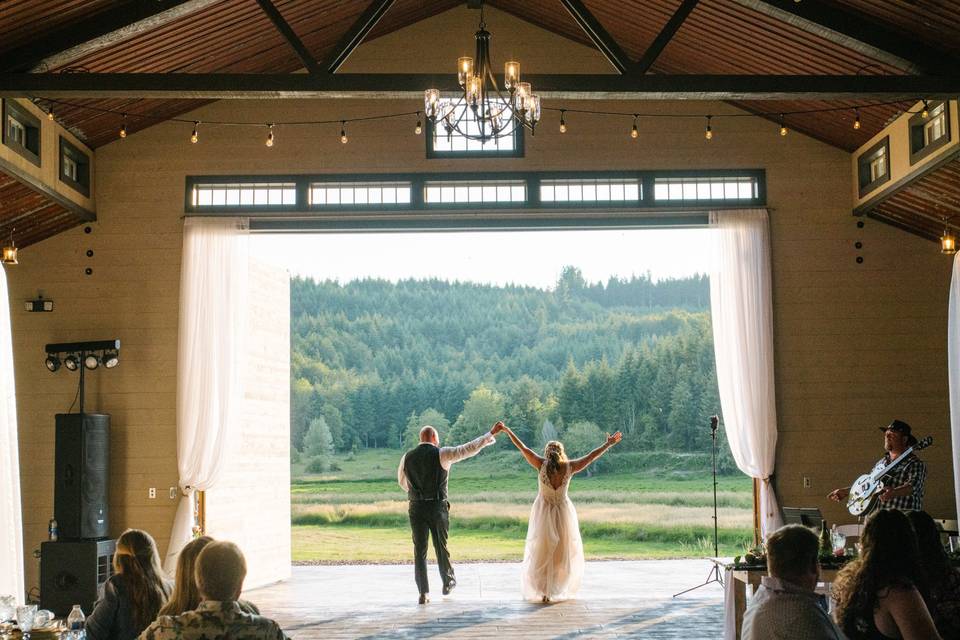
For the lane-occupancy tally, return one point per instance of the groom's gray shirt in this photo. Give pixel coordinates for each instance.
(428, 480)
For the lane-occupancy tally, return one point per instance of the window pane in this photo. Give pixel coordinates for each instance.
(546, 193)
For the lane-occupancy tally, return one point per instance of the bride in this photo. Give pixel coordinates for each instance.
(553, 556)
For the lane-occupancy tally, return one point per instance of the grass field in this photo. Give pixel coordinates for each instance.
(358, 513)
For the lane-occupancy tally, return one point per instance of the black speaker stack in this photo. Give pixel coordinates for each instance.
(73, 568)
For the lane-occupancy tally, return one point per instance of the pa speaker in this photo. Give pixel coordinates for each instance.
(73, 572)
(81, 497)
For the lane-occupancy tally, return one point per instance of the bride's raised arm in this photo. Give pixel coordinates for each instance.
(535, 461)
(578, 465)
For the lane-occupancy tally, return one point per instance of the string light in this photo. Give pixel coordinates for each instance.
(856, 120)
(419, 128)
(563, 122)
(343, 132)
(783, 127)
(195, 136)
(50, 115)
(123, 127)
(269, 141)
(635, 133)
(708, 133)
(926, 111)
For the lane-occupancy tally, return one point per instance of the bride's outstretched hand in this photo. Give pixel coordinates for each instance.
(614, 439)
(497, 428)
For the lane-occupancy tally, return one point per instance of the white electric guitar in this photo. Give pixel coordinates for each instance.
(864, 491)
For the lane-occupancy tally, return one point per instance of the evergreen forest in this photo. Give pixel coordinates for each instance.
(373, 360)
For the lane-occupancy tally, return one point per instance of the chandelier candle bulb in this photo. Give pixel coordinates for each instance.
(511, 74)
(464, 69)
(431, 100)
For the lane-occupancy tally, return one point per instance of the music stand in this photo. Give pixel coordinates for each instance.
(807, 516)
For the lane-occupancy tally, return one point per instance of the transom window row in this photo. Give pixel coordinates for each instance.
(524, 191)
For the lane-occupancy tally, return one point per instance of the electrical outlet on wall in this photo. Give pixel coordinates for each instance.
(152, 493)
(807, 482)
(173, 493)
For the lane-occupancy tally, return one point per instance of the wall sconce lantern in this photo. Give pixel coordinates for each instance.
(10, 251)
(948, 242)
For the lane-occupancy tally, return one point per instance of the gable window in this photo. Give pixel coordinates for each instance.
(21, 131)
(447, 143)
(873, 166)
(74, 167)
(930, 133)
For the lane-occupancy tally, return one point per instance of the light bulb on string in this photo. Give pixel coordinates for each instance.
(269, 141)
(419, 128)
(50, 115)
(123, 127)
(195, 136)
(708, 132)
(926, 111)
(563, 122)
(783, 127)
(634, 132)
(343, 132)
(856, 119)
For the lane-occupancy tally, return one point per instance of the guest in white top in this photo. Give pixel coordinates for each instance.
(786, 604)
(423, 474)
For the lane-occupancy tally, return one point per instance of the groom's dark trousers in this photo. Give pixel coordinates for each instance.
(430, 518)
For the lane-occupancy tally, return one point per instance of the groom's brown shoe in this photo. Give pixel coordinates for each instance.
(424, 599)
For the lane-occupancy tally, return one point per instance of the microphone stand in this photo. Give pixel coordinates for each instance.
(714, 575)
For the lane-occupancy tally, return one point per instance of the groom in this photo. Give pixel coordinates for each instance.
(423, 475)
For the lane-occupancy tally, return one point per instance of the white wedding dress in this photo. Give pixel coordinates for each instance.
(553, 557)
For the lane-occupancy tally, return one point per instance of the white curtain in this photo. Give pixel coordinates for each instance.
(742, 311)
(953, 369)
(11, 517)
(213, 304)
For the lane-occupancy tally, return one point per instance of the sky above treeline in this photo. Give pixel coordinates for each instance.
(531, 258)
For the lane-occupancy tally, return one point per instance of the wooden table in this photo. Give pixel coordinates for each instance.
(752, 577)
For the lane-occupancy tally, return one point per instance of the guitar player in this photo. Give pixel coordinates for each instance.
(903, 486)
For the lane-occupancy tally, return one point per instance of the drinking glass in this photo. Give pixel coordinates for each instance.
(8, 607)
(25, 616)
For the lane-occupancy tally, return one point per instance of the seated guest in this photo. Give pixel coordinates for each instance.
(186, 594)
(879, 595)
(134, 594)
(220, 571)
(786, 605)
(943, 580)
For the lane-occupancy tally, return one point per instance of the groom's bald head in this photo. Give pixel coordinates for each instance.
(429, 434)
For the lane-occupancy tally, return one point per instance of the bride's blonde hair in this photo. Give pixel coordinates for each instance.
(555, 455)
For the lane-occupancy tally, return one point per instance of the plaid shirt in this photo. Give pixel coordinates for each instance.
(214, 621)
(911, 471)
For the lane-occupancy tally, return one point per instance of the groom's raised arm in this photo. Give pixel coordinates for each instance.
(450, 455)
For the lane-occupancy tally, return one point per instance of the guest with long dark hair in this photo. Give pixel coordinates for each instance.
(943, 580)
(132, 597)
(880, 594)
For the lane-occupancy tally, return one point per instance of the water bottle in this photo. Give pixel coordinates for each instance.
(54, 530)
(75, 622)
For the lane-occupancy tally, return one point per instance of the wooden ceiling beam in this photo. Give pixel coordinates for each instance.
(598, 35)
(97, 32)
(404, 86)
(290, 36)
(872, 39)
(355, 36)
(663, 38)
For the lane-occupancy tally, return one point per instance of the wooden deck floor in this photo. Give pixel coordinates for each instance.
(618, 600)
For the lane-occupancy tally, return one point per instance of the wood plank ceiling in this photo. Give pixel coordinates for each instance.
(718, 37)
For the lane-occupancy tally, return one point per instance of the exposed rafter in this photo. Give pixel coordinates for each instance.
(595, 31)
(98, 32)
(570, 86)
(853, 32)
(356, 34)
(290, 36)
(663, 38)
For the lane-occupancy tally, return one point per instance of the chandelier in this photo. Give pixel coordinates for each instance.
(482, 112)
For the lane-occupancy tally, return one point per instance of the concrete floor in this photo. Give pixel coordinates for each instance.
(618, 600)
